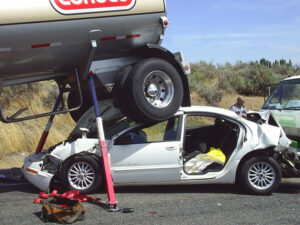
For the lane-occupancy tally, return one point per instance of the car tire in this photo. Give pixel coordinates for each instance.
(152, 92)
(82, 173)
(260, 175)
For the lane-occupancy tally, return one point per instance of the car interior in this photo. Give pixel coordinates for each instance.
(223, 135)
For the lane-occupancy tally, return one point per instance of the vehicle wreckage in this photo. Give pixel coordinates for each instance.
(256, 154)
(107, 48)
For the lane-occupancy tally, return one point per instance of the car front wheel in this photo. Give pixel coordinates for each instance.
(260, 175)
(82, 173)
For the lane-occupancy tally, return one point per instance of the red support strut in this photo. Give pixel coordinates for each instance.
(44, 136)
(103, 146)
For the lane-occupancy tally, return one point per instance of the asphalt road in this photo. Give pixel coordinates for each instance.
(201, 204)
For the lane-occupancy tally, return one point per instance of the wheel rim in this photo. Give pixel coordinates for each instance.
(158, 89)
(81, 176)
(261, 175)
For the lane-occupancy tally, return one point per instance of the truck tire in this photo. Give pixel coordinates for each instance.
(152, 92)
(109, 114)
(81, 173)
(73, 101)
(260, 175)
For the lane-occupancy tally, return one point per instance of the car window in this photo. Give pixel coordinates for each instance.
(290, 96)
(286, 96)
(163, 131)
(276, 98)
(199, 121)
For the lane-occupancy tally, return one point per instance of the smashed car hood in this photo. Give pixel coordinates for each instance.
(269, 135)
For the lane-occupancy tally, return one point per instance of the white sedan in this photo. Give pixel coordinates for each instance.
(198, 145)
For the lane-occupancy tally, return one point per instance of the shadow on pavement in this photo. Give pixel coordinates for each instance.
(12, 180)
(22, 187)
(289, 185)
(11, 174)
(204, 188)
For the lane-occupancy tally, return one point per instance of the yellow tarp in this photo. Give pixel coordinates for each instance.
(201, 161)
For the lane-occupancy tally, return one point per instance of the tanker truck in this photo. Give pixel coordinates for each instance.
(119, 41)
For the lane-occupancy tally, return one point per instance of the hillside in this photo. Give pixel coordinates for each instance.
(20, 139)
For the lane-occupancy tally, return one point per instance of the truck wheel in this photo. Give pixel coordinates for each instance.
(109, 115)
(82, 173)
(260, 175)
(73, 101)
(153, 91)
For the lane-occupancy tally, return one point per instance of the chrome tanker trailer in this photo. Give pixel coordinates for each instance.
(118, 40)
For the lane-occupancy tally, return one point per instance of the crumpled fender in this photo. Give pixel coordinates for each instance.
(268, 136)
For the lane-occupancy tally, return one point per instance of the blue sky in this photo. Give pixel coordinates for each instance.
(220, 31)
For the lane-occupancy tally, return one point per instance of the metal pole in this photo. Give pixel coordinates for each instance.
(103, 146)
(44, 136)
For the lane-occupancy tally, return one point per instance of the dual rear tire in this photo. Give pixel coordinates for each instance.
(151, 92)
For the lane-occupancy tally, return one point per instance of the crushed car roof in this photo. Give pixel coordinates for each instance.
(209, 109)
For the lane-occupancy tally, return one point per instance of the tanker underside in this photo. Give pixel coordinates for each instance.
(37, 51)
(147, 82)
(158, 73)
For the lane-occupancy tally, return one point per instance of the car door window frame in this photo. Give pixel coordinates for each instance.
(238, 124)
(141, 127)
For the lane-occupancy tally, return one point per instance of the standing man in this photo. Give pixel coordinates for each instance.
(239, 107)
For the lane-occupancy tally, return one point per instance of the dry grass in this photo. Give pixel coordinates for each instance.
(13, 159)
(21, 139)
(252, 102)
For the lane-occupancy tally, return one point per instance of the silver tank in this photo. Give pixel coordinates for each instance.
(40, 38)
